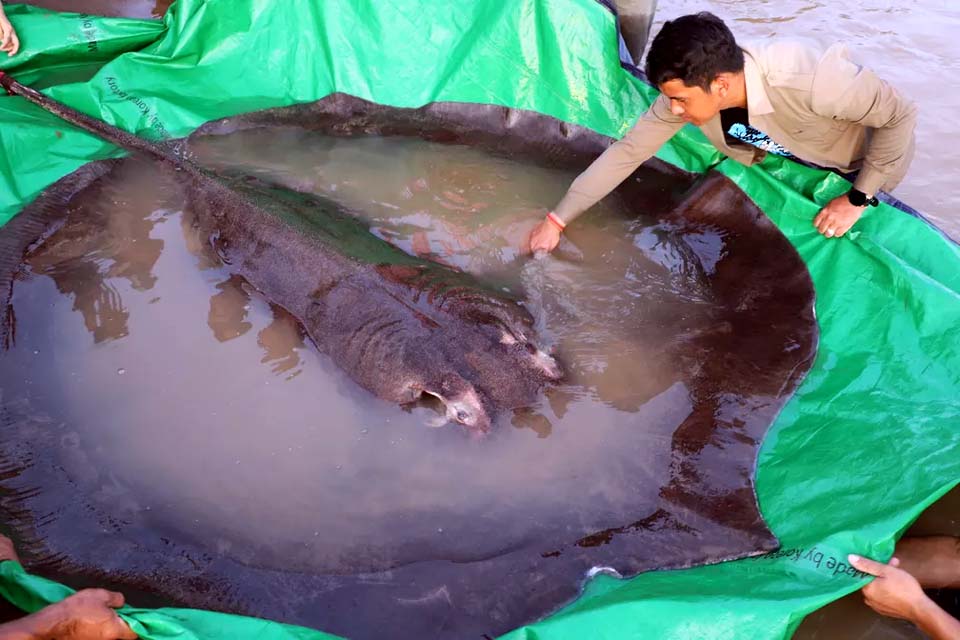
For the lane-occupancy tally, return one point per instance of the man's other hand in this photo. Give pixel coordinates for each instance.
(837, 217)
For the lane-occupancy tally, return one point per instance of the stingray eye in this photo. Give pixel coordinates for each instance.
(532, 350)
(462, 416)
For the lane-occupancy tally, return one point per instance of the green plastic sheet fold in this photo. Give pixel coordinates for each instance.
(871, 438)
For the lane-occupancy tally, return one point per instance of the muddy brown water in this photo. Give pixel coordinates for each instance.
(187, 411)
(186, 400)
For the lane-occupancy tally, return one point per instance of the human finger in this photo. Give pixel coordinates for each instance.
(824, 221)
(531, 244)
(867, 565)
(820, 216)
(831, 226)
(114, 599)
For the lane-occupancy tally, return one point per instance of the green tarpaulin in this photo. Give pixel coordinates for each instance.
(871, 438)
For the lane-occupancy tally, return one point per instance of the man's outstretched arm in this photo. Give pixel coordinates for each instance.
(613, 166)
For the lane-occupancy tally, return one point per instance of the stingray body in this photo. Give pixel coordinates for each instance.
(401, 327)
(504, 565)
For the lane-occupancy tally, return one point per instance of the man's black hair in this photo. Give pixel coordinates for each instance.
(695, 49)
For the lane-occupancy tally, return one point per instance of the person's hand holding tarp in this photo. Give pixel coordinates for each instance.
(86, 615)
(9, 41)
(897, 594)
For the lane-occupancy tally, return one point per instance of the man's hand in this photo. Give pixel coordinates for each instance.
(895, 592)
(544, 237)
(86, 615)
(8, 36)
(837, 217)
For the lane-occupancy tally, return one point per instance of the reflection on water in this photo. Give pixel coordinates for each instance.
(228, 310)
(453, 206)
(86, 260)
(280, 340)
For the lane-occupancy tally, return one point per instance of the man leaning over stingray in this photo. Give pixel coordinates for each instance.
(819, 105)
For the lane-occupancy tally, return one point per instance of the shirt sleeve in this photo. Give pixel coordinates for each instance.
(843, 90)
(614, 165)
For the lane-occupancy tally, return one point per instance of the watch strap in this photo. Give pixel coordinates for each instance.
(859, 199)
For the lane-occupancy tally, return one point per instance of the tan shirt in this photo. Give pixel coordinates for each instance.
(819, 105)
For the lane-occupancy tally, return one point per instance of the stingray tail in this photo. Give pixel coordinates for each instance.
(95, 126)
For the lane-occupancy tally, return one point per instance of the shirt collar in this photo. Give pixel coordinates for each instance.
(758, 103)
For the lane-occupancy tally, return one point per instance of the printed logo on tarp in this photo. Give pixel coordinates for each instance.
(153, 118)
(89, 32)
(818, 559)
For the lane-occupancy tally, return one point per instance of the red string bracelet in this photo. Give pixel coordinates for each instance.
(555, 219)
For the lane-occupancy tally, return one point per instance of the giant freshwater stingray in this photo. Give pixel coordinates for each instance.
(400, 327)
(742, 369)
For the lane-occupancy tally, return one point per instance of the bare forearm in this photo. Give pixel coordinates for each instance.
(937, 623)
(599, 179)
(933, 560)
(36, 626)
(621, 159)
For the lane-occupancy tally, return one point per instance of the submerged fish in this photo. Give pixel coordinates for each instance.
(401, 327)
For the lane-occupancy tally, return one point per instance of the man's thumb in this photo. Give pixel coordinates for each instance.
(867, 565)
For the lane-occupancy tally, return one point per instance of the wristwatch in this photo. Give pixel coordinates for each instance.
(859, 199)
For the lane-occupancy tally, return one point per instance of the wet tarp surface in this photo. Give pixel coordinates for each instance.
(882, 393)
